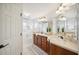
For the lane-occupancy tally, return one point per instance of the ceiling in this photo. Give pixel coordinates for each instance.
(39, 9)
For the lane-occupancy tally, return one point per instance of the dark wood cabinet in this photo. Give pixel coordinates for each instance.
(56, 50)
(67, 52)
(35, 40)
(44, 43)
(49, 48)
(39, 41)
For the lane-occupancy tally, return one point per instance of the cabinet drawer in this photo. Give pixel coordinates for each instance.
(39, 44)
(39, 37)
(44, 43)
(39, 41)
(44, 37)
(43, 40)
(48, 47)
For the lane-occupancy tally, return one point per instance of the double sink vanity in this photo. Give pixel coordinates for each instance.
(58, 35)
(54, 44)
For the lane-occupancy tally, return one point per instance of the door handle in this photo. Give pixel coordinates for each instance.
(20, 34)
(2, 46)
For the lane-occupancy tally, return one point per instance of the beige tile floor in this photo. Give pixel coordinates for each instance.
(33, 50)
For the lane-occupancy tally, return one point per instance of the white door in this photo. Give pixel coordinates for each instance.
(10, 28)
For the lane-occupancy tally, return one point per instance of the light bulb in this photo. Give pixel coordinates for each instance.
(62, 18)
(68, 4)
(60, 8)
(58, 12)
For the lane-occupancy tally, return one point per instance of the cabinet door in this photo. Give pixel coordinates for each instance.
(67, 52)
(39, 41)
(36, 40)
(56, 50)
(52, 49)
(44, 43)
(48, 47)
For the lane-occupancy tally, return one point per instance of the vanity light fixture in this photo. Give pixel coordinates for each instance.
(43, 19)
(59, 10)
(62, 18)
(68, 4)
(64, 7)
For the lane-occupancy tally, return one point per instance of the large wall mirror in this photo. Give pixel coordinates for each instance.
(67, 22)
(68, 26)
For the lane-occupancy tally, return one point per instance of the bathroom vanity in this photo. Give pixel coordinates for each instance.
(42, 42)
(53, 45)
(64, 37)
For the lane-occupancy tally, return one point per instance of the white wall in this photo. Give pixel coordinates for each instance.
(10, 28)
(40, 9)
